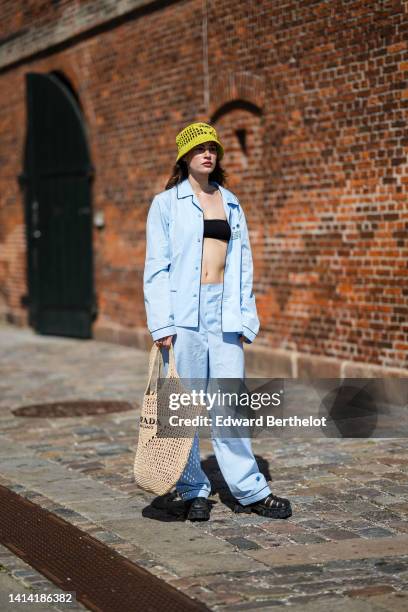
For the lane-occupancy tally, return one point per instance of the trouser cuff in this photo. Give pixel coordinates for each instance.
(251, 499)
(187, 494)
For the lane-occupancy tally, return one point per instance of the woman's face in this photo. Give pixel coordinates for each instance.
(202, 158)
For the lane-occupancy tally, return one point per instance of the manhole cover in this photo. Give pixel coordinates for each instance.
(73, 408)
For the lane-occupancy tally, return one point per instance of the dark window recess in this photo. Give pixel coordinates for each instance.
(241, 135)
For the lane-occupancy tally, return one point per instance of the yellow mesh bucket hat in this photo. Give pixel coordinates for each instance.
(194, 134)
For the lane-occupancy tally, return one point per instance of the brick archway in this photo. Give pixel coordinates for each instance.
(243, 86)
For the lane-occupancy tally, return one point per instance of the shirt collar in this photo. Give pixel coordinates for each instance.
(184, 189)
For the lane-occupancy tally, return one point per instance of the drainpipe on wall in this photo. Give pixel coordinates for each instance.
(206, 78)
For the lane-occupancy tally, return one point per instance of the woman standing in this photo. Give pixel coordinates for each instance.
(198, 296)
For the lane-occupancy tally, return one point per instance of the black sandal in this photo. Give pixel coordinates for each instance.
(198, 509)
(271, 506)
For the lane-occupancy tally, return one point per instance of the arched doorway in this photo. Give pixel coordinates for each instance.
(58, 210)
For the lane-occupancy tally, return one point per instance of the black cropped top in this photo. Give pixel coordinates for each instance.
(217, 228)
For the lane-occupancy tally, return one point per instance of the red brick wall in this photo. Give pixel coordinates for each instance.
(320, 89)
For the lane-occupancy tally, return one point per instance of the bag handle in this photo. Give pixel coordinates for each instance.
(171, 372)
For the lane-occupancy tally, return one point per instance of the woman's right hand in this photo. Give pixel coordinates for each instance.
(164, 342)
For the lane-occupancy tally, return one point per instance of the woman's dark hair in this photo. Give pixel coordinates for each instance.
(180, 172)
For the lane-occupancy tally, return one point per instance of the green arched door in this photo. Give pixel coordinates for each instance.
(58, 178)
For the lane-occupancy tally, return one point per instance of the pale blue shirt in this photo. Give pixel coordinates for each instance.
(172, 273)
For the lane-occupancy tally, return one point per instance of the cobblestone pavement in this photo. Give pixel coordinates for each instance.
(18, 579)
(345, 547)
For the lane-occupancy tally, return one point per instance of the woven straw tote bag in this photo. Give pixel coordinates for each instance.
(161, 456)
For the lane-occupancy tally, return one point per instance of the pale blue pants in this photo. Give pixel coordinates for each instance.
(207, 352)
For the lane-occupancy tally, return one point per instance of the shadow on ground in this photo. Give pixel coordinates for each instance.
(170, 508)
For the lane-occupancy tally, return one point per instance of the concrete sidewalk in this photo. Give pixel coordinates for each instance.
(345, 547)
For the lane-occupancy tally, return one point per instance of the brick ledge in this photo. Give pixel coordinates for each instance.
(269, 362)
